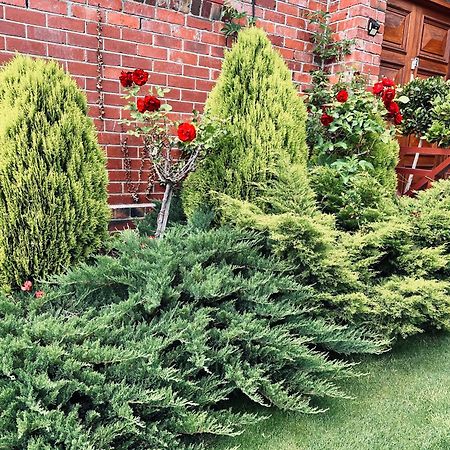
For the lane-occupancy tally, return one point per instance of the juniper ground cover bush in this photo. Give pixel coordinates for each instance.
(53, 198)
(369, 257)
(142, 349)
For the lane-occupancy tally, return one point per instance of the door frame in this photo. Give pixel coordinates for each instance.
(438, 3)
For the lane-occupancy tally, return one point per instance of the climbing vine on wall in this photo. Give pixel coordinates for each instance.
(100, 66)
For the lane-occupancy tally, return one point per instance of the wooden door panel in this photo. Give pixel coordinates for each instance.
(413, 30)
(397, 40)
(396, 28)
(434, 45)
(435, 39)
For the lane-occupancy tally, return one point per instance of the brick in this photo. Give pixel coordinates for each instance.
(213, 38)
(204, 85)
(107, 4)
(166, 41)
(25, 46)
(46, 34)
(288, 9)
(194, 96)
(167, 15)
(54, 6)
(25, 16)
(196, 47)
(184, 57)
(134, 62)
(66, 23)
(195, 72)
(141, 36)
(66, 52)
(152, 52)
(185, 33)
(168, 67)
(217, 52)
(200, 24)
(79, 68)
(116, 46)
(15, 2)
(111, 59)
(83, 12)
(206, 61)
(115, 18)
(156, 27)
(82, 40)
(181, 82)
(12, 29)
(115, 164)
(139, 9)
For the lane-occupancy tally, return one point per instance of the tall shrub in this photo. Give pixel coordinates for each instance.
(53, 198)
(266, 123)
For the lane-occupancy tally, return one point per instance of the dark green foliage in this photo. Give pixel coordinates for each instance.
(265, 123)
(53, 198)
(141, 350)
(418, 111)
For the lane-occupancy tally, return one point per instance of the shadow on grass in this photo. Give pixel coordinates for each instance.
(403, 403)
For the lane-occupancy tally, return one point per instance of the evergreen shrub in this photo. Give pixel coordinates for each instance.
(418, 112)
(142, 349)
(439, 131)
(265, 124)
(53, 197)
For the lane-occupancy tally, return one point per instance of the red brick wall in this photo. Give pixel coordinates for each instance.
(349, 19)
(181, 46)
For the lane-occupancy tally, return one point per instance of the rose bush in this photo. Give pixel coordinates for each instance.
(354, 151)
(149, 120)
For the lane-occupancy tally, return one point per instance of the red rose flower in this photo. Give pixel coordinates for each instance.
(326, 119)
(140, 77)
(387, 82)
(126, 79)
(377, 88)
(141, 105)
(39, 294)
(27, 286)
(398, 119)
(393, 108)
(186, 132)
(152, 103)
(342, 96)
(388, 96)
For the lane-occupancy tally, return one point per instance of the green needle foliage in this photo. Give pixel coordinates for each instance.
(266, 118)
(53, 198)
(142, 349)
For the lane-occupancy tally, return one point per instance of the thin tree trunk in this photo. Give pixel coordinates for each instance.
(163, 215)
(414, 165)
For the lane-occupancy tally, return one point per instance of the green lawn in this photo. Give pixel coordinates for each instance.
(403, 404)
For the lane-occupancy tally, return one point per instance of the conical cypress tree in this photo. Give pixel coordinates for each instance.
(265, 120)
(53, 198)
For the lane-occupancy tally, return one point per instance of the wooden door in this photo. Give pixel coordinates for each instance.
(416, 41)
